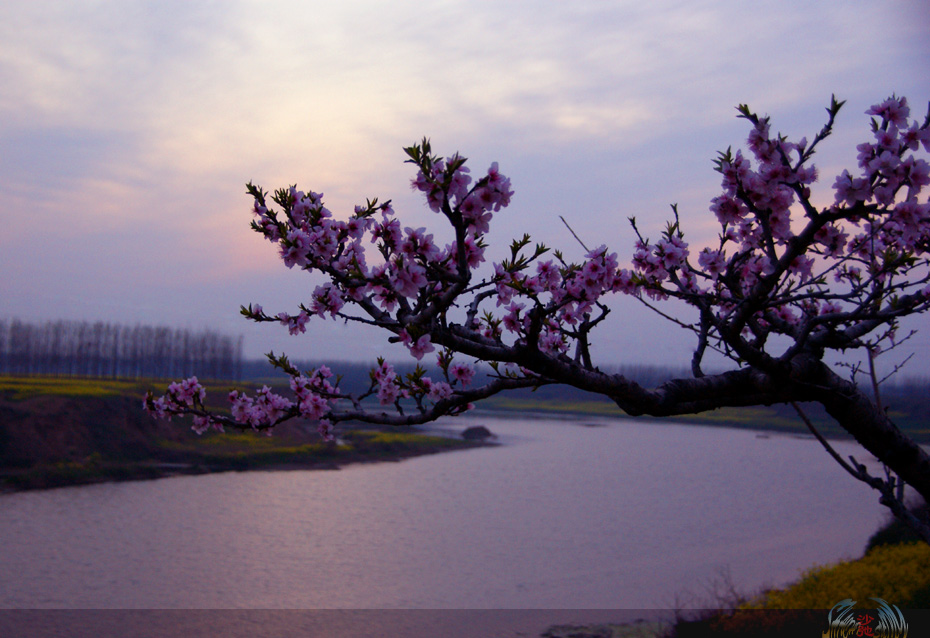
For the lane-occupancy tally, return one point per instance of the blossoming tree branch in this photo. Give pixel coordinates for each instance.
(785, 283)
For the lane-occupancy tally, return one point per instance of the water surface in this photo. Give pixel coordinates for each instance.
(560, 515)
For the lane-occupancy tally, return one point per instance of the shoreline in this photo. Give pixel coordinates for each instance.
(357, 447)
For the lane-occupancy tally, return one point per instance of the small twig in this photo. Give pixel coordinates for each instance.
(891, 490)
(824, 442)
(896, 368)
(573, 234)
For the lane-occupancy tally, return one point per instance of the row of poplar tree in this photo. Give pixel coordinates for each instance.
(80, 348)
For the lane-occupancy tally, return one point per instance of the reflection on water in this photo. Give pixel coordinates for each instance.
(629, 515)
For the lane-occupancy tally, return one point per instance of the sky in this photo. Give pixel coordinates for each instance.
(129, 128)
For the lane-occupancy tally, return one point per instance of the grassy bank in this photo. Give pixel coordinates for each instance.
(897, 572)
(895, 568)
(177, 458)
(69, 431)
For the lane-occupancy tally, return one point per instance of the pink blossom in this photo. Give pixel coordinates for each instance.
(728, 210)
(157, 408)
(274, 406)
(384, 373)
(358, 226)
(547, 273)
(420, 347)
(295, 248)
(832, 238)
(406, 277)
(551, 341)
(203, 423)
(325, 429)
(439, 390)
(296, 324)
(916, 172)
(887, 140)
(384, 298)
(474, 251)
(388, 231)
(417, 243)
(187, 392)
(801, 266)
(462, 373)
(847, 273)
(389, 392)
(313, 407)
(894, 110)
(713, 262)
(326, 298)
(673, 252)
(830, 307)
(786, 314)
(850, 190)
(421, 182)
(511, 320)
(624, 282)
(780, 223)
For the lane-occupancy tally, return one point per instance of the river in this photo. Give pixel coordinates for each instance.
(596, 514)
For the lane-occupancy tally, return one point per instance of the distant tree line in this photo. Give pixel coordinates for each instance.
(81, 348)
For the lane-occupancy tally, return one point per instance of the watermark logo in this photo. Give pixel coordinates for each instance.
(884, 621)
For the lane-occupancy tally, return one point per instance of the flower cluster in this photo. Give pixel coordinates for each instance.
(769, 271)
(391, 387)
(314, 393)
(315, 398)
(188, 393)
(891, 177)
(411, 265)
(266, 407)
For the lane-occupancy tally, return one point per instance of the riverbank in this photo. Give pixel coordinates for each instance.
(234, 454)
(56, 432)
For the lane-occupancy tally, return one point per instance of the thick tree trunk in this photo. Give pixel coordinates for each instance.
(872, 428)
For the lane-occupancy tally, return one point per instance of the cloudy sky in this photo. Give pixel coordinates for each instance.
(128, 129)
